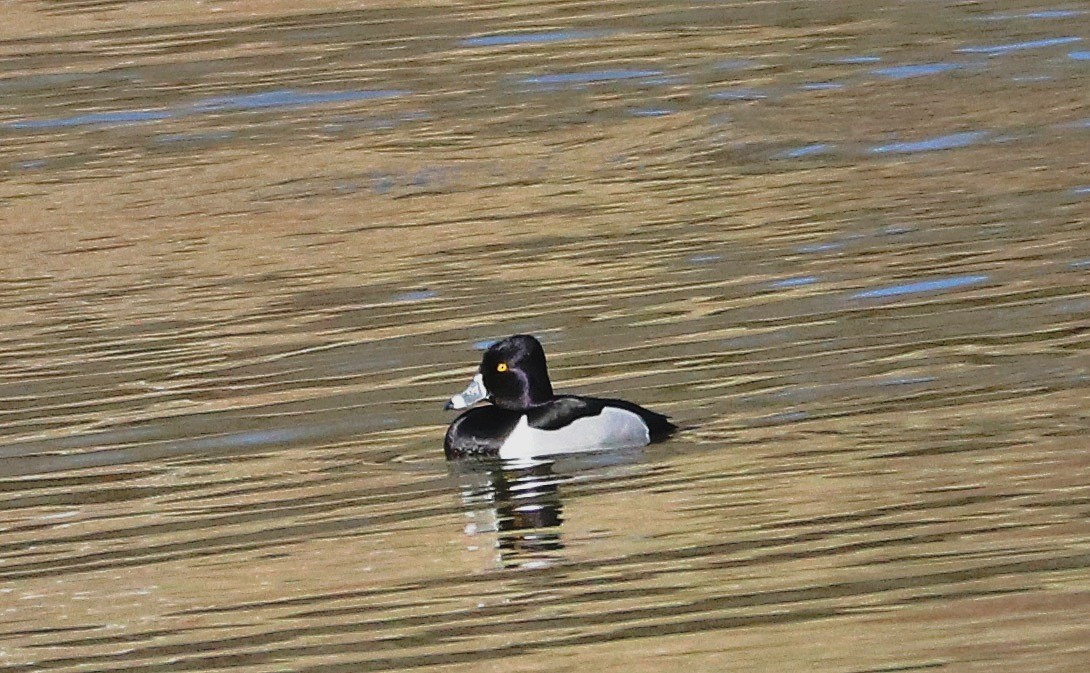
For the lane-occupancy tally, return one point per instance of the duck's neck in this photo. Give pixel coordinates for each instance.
(532, 394)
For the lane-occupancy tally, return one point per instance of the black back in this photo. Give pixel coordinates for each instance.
(567, 408)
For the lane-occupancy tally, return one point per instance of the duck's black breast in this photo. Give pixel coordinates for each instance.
(480, 432)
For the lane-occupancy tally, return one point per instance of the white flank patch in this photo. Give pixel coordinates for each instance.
(612, 429)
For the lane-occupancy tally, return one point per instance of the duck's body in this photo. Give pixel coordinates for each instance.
(526, 420)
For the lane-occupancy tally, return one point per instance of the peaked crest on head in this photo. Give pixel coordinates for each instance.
(515, 374)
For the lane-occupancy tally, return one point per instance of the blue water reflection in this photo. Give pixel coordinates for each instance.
(415, 296)
(97, 118)
(705, 259)
(936, 285)
(797, 281)
(997, 49)
(813, 149)
(284, 98)
(542, 37)
(819, 247)
(946, 142)
(591, 77)
(918, 70)
(1041, 14)
(739, 94)
(858, 60)
(651, 112)
(906, 380)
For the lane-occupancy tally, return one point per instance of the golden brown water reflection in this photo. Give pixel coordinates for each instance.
(250, 247)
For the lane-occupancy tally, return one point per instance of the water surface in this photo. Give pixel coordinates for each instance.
(250, 248)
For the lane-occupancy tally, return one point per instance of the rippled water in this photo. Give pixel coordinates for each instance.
(249, 248)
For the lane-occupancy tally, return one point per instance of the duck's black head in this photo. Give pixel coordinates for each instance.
(514, 373)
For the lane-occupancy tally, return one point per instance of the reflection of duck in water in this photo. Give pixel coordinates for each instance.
(526, 419)
(521, 503)
(518, 504)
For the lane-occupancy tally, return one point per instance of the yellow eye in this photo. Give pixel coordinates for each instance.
(501, 367)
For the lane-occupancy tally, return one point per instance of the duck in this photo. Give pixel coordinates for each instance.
(524, 419)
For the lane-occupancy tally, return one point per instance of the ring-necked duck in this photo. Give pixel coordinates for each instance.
(526, 419)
